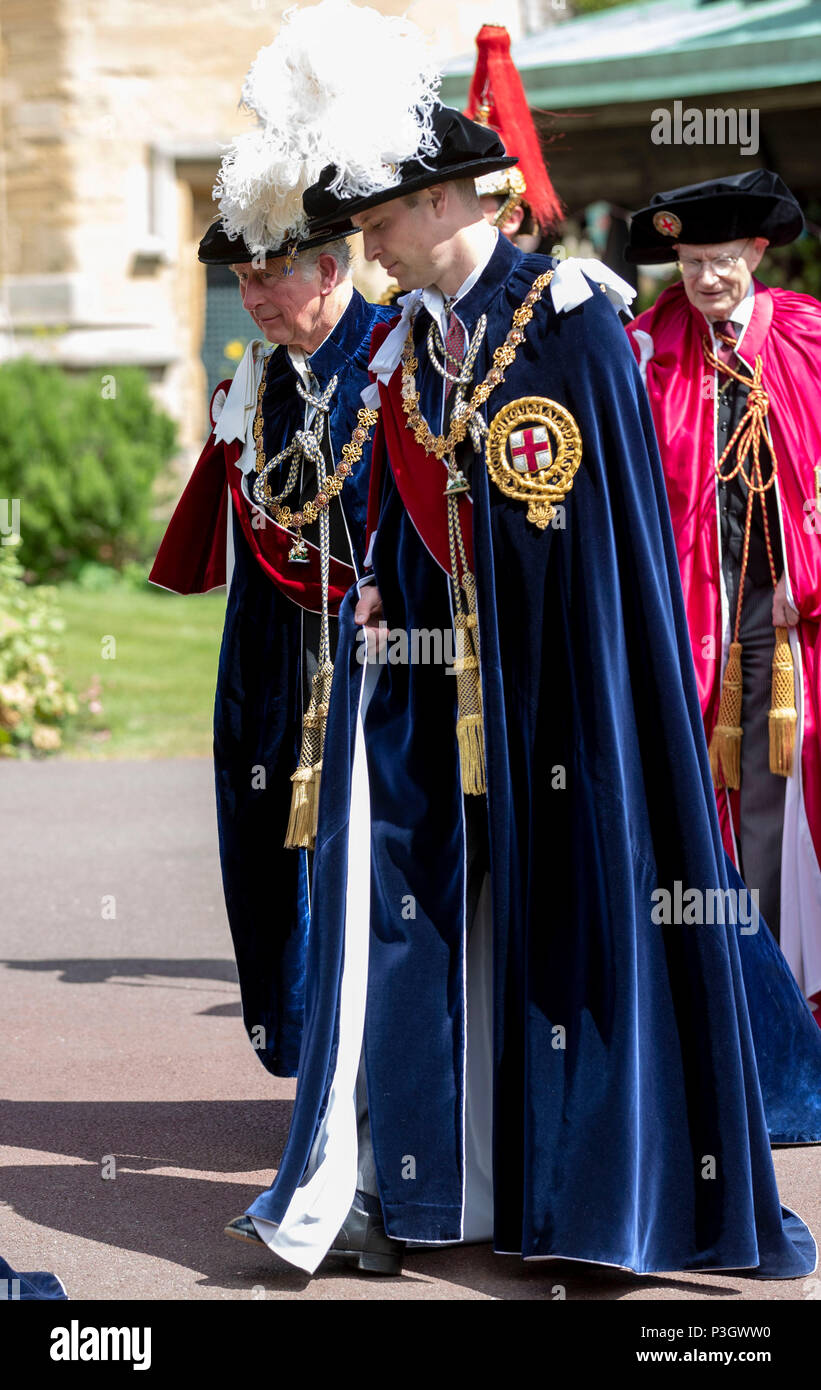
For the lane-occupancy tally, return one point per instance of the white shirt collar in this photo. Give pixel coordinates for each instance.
(300, 364)
(436, 303)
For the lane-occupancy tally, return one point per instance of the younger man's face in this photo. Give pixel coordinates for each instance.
(402, 235)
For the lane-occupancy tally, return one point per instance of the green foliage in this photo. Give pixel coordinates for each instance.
(154, 696)
(34, 702)
(93, 578)
(649, 291)
(797, 266)
(580, 7)
(81, 453)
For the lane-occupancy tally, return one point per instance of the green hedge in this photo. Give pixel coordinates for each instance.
(81, 454)
(797, 266)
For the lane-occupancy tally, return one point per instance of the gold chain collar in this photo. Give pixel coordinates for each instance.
(440, 445)
(351, 454)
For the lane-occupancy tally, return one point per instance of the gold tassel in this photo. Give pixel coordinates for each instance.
(783, 714)
(725, 745)
(470, 726)
(470, 735)
(301, 833)
(302, 822)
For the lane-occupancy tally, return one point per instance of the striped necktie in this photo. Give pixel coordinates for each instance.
(454, 348)
(723, 350)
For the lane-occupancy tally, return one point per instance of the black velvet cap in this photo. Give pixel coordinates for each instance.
(217, 248)
(754, 204)
(466, 150)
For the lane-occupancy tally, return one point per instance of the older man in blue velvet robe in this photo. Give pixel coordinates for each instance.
(320, 326)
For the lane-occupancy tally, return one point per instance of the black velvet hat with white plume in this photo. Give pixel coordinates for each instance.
(459, 148)
(341, 86)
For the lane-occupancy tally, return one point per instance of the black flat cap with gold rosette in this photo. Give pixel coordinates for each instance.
(754, 204)
(465, 150)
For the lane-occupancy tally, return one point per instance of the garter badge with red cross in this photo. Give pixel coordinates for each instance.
(530, 449)
(534, 448)
(667, 223)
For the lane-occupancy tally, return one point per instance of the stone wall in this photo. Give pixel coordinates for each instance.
(113, 114)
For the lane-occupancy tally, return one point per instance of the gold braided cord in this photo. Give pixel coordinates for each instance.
(725, 743)
(304, 813)
(470, 734)
(747, 436)
(783, 717)
(470, 728)
(303, 818)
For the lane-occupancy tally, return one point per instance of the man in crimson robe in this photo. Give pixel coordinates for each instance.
(733, 373)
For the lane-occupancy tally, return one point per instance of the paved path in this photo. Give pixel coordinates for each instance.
(122, 1037)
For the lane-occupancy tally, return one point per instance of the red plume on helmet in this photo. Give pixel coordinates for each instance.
(497, 98)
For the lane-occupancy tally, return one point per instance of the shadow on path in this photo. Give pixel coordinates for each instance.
(96, 972)
(214, 1136)
(180, 1220)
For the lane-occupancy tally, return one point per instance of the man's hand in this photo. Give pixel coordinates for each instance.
(784, 615)
(368, 613)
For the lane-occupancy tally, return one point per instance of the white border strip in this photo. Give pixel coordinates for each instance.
(320, 1204)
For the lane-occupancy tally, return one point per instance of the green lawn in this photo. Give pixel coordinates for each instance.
(157, 690)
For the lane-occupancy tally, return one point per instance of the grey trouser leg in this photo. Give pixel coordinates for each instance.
(478, 1219)
(762, 793)
(365, 1166)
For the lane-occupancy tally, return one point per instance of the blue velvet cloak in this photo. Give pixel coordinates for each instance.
(258, 714)
(628, 1119)
(29, 1287)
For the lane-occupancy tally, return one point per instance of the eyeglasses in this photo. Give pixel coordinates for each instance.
(720, 265)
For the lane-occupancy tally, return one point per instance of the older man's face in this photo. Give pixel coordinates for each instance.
(717, 276)
(284, 307)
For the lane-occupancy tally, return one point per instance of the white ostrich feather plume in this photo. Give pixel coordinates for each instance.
(341, 84)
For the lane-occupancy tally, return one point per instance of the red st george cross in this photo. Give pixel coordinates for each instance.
(530, 449)
(669, 225)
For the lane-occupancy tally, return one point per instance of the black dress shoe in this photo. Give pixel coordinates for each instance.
(363, 1241)
(243, 1228)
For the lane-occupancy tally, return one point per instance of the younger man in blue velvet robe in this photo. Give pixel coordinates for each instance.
(616, 1116)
